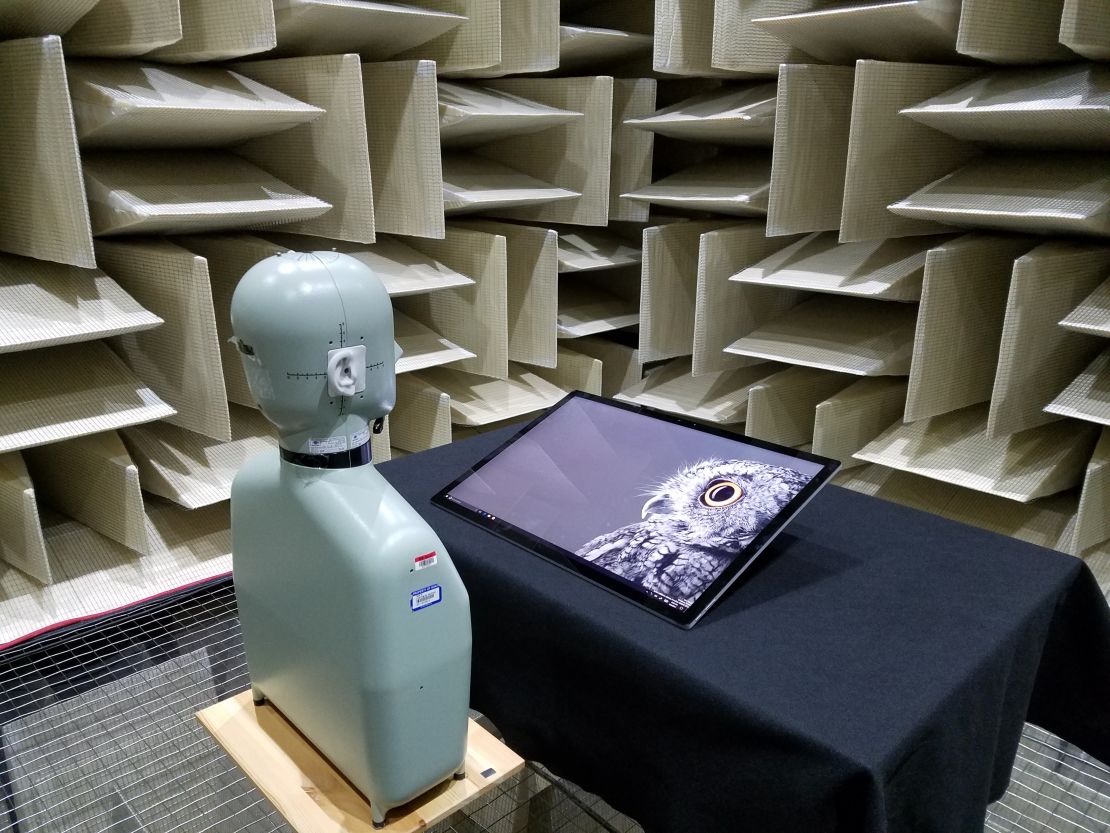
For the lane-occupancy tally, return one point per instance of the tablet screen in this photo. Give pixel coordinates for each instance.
(663, 511)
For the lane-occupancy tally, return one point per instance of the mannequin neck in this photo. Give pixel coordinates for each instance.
(349, 459)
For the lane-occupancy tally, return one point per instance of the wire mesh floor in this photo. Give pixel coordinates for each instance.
(97, 733)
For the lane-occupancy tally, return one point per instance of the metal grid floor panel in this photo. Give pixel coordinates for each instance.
(98, 735)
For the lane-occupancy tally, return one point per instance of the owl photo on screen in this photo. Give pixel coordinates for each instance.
(694, 523)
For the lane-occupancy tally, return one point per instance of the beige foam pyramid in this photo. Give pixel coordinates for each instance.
(890, 269)
(193, 470)
(187, 192)
(630, 150)
(125, 28)
(782, 407)
(813, 117)
(92, 480)
(376, 31)
(479, 400)
(587, 250)
(908, 30)
(1085, 28)
(729, 116)
(1092, 316)
(34, 18)
(573, 371)
(584, 47)
(181, 359)
(724, 184)
(212, 30)
(475, 44)
(685, 42)
(621, 366)
(472, 184)
(94, 575)
(128, 104)
(21, 541)
(848, 335)
(44, 304)
(1020, 192)
(402, 136)
(1093, 520)
(725, 309)
(588, 308)
(739, 44)
(879, 168)
(1047, 522)
(1058, 107)
(422, 416)
(1037, 359)
(960, 323)
(668, 288)
(70, 391)
(574, 156)
(422, 347)
(1011, 31)
(854, 416)
(529, 40)
(955, 448)
(326, 157)
(43, 210)
(720, 398)
(471, 114)
(532, 289)
(475, 317)
(1088, 397)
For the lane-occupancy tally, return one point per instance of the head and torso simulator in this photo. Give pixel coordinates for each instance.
(355, 622)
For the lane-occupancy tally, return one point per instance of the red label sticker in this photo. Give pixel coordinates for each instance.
(422, 562)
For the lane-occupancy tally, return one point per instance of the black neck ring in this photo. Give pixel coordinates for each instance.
(359, 456)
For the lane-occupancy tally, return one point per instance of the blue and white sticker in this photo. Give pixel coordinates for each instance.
(426, 597)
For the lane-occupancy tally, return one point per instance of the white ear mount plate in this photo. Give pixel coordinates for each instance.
(347, 370)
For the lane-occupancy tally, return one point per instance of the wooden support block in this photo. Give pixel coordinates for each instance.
(314, 797)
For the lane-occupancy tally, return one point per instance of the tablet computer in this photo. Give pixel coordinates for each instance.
(662, 511)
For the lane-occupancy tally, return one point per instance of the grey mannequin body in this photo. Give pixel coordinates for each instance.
(355, 622)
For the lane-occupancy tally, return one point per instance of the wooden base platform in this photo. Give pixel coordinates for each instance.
(314, 798)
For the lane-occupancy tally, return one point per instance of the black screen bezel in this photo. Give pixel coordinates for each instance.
(569, 561)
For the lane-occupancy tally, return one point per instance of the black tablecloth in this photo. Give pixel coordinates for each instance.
(871, 673)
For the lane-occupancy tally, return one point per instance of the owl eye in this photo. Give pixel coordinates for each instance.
(722, 493)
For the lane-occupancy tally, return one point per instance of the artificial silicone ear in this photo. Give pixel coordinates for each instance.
(347, 370)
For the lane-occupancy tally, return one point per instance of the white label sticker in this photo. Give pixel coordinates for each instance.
(360, 437)
(423, 562)
(426, 597)
(327, 445)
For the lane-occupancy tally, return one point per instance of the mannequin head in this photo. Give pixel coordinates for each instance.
(315, 334)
